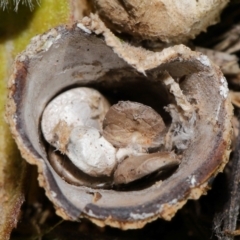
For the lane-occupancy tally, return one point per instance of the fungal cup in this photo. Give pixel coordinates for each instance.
(177, 99)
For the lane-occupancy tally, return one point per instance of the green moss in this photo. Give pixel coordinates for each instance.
(16, 30)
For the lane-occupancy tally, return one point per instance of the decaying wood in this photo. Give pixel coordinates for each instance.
(226, 61)
(229, 41)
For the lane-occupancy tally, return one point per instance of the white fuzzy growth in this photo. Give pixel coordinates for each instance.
(86, 30)
(76, 107)
(183, 116)
(48, 44)
(90, 152)
(181, 131)
(204, 60)
(217, 111)
(192, 180)
(58, 36)
(173, 202)
(137, 216)
(224, 87)
(53, 194)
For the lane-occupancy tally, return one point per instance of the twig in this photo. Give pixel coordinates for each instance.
(49, 230)
(226, 221)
